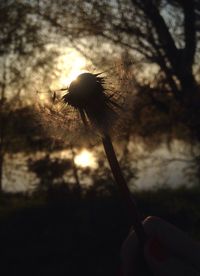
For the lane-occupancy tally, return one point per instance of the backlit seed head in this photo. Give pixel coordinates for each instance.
(85, 91)
(88, 95)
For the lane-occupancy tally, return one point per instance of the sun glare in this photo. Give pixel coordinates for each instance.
(71, 65)
(42, 97)
(85, 159)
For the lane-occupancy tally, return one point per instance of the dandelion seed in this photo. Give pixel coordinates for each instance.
(88, 95)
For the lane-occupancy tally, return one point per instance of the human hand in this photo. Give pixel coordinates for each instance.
(167, 252)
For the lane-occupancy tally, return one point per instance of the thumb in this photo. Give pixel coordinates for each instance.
(162, 263)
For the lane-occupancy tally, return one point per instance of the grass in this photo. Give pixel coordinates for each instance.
(69, 235)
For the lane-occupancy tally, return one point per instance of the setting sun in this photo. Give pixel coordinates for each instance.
(71, 64)
(85, 159)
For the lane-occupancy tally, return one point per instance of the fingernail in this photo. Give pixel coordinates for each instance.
(157, 250)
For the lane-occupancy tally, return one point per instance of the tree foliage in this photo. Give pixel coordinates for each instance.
(163, 33)
(158, 46)
(156, 41)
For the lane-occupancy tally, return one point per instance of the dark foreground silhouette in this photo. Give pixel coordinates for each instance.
(69, 234)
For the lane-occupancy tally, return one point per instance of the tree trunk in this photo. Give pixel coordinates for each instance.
(75, 171)
(189, 89)
(1, 146)
(2, 133)
(2, 122)
(180, 60)
(1, 171)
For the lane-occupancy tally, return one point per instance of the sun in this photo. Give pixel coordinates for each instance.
(71, 65)
(85, 159)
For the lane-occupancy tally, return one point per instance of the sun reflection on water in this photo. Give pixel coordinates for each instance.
(85, 159)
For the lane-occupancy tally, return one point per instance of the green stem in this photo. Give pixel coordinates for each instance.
(119, 178)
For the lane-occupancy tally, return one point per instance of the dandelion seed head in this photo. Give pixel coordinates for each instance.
(91, 95)
(85, 91)
(88, 95)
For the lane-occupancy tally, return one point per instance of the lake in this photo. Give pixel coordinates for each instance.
(174, 166)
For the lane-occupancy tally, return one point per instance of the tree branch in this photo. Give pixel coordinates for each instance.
(162, 30)
(190, 33)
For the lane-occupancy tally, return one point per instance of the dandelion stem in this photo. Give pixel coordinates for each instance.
(119, 178)
(89, 97)
(83, 117)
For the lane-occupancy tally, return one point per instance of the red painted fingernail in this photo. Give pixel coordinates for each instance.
(157, 250)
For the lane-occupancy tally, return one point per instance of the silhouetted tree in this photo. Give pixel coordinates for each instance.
(160, 35)
(51, 172)
(22, 51)
(163, 33)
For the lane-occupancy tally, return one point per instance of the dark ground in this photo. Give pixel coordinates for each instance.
(69, 235)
